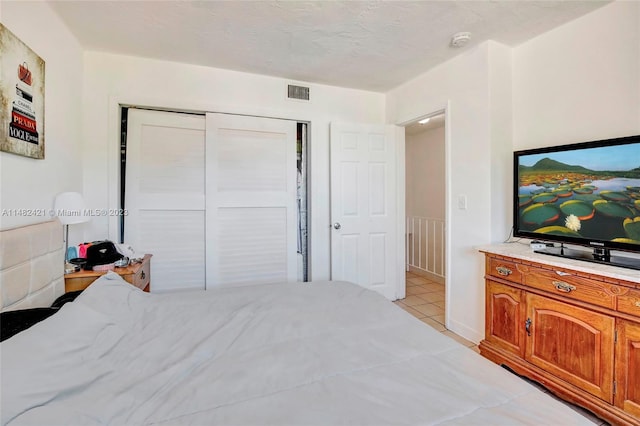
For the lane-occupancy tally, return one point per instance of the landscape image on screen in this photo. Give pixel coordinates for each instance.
(591, 193)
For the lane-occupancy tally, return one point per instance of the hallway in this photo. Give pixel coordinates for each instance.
(425, 300)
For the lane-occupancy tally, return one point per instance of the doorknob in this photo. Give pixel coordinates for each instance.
(337, 225)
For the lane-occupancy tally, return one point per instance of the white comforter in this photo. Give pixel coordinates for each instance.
(281, 354)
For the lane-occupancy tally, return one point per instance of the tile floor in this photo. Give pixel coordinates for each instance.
(425, 301)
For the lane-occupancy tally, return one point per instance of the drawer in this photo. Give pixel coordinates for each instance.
(571, 286)
(504, 269)
(629, 303)
(142, 277)
(77, 283)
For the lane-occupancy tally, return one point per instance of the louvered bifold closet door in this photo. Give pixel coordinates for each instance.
(165, 196)
(250, 200)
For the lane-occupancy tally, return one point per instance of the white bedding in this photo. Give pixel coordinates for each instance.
(281, 354)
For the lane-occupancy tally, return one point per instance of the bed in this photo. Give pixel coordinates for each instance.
(325, 353)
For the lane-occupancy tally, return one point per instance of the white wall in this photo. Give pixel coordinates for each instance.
(501, 130)
(581, 81)
(424, 170)
(27, 183)
(578, 82)
(463, 83)
(113, 79)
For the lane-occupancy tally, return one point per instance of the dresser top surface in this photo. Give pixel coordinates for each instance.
(522, 251)
(132, 269)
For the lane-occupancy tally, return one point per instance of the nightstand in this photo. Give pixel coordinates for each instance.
(137, 274)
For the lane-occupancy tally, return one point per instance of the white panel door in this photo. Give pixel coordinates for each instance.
(251, 211)
(165, 196)
(363, 206)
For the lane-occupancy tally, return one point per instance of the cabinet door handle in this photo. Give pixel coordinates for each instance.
(142, 275)
(503, 270)
(564, 287)
(527, 326)
(638, 304)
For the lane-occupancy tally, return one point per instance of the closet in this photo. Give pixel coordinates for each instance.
(219, 199)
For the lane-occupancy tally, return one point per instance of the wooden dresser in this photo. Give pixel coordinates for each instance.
(573, 328)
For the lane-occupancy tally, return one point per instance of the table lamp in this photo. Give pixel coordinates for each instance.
(70, 210)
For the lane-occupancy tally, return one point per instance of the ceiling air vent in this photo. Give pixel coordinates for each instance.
(298, 92)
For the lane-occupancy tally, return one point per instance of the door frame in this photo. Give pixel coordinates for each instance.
(401, 191)
(115, 105)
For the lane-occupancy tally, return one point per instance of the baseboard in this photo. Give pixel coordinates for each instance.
(429, 275)
(465, 331)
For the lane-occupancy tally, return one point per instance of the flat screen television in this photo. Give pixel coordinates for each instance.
(585, 194)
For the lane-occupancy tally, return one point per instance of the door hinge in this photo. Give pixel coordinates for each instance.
(615, 336)
(615, 387)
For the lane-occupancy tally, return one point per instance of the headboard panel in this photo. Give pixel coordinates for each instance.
(31, 266)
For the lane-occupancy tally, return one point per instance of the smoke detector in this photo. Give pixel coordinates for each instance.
(460, 39)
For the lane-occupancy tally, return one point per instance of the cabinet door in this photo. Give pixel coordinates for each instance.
(628, 367)
(573, 344)
(505, 317)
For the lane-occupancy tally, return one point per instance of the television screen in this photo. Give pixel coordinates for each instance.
(587, 194)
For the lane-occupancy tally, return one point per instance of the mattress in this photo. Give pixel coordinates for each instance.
(325, 353)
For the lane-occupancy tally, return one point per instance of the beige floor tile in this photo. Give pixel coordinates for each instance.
(417, 280)
(428, 309)
(412, 301)
(413, 312)
(459, 339)
(416, 289)
(434, 287)
(439, 318)
(431, 309)
(440, 304)
(433, 323)
(432, 297)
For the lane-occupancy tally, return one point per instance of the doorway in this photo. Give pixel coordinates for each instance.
(425, 207)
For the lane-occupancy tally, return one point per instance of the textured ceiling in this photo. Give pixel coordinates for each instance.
(371, 45)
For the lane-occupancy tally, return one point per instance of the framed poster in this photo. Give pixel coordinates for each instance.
(21, 97)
